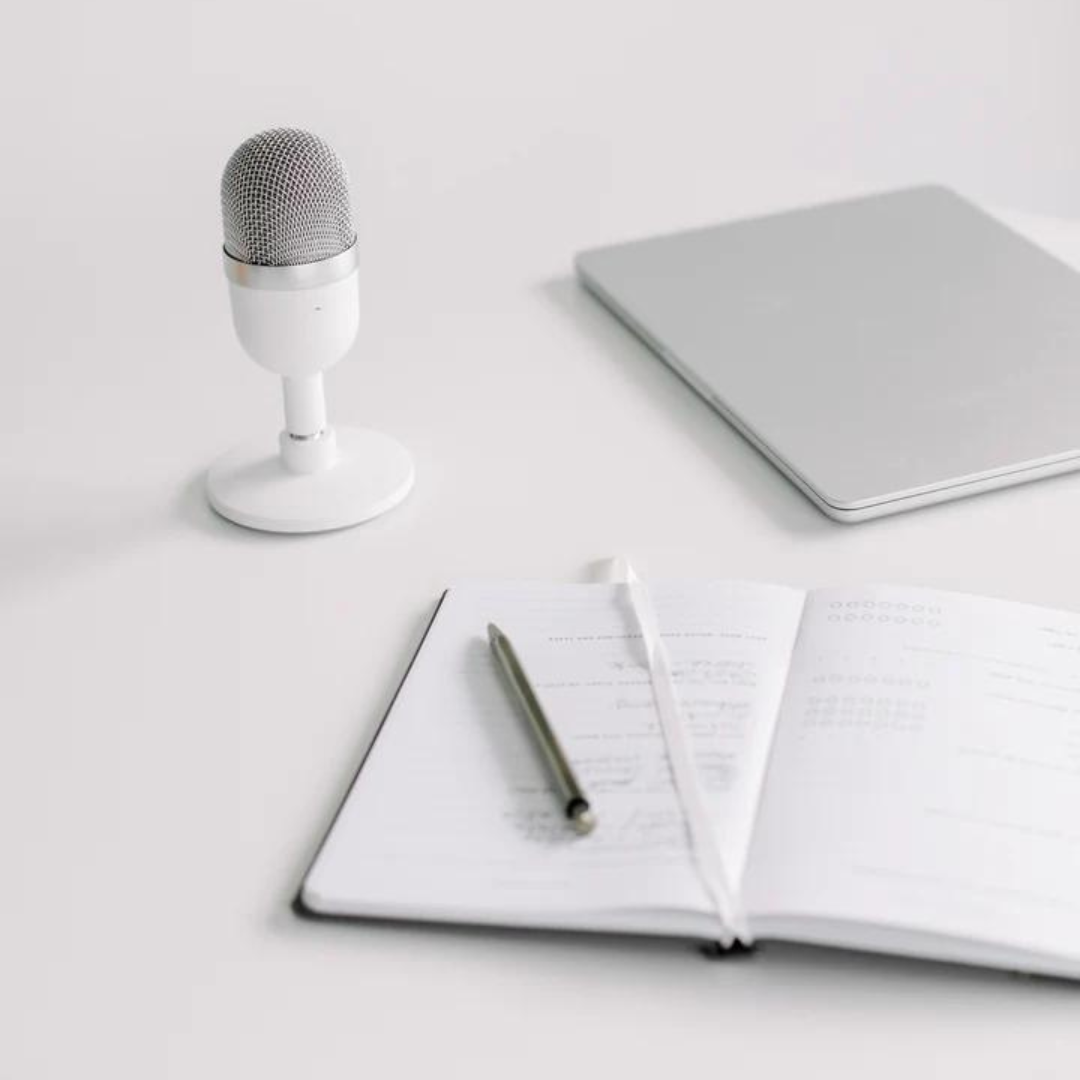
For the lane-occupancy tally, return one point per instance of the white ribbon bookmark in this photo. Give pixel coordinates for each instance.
(699, 828)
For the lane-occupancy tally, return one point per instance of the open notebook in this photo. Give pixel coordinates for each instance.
(883, 768)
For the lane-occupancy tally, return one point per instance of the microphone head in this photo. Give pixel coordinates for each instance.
(285, 200)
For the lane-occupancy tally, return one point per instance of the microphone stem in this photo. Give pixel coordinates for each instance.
(305, 405)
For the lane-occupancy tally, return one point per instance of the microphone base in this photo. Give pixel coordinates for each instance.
(251, 486)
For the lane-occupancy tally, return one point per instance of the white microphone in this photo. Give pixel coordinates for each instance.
(290, 257)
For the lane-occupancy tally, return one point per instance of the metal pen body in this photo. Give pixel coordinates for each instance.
(575, 804)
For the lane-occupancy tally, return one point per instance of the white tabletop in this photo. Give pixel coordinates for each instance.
(183, 702)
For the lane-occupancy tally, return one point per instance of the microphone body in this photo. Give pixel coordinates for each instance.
(290, 328)
(290, 257)
(297, 321)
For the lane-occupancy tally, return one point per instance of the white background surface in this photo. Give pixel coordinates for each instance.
(183, 703)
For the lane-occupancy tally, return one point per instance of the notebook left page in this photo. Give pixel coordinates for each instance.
(453, 817)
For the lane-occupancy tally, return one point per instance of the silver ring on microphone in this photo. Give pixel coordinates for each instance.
(300, 276)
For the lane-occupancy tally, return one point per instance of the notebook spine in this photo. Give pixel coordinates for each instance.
(717, 950)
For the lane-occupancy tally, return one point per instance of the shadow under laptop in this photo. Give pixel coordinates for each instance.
(739, 461)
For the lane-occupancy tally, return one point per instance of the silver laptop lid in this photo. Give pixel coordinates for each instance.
(884, 352)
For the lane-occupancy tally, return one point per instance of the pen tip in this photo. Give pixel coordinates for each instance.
(494, 633)
(584, 822)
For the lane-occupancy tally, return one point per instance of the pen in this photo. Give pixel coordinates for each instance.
(575, 805)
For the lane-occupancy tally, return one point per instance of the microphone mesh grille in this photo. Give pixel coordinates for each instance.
(285, 200)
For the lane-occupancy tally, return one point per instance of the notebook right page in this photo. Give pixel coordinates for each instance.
(925, 772)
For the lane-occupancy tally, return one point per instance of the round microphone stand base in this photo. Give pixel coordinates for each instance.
(251, 485)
